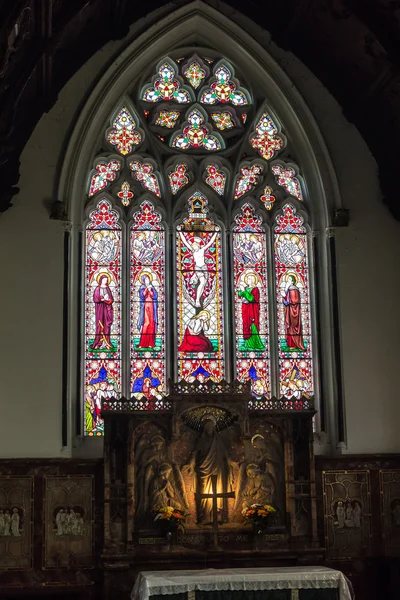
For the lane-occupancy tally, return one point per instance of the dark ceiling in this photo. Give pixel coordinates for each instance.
(352, 46)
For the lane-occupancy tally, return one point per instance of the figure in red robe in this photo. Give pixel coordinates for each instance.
(103, 300)
(251, 314)
(194, 338)
(292, 309)
(148, 316)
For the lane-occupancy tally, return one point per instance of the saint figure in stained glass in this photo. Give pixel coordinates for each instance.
(250, 295)
(103, 300)
(292, 303)
(148, 316)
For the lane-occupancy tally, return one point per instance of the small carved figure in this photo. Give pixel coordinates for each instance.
(357, 514)
(255, 486)
(340, 515)
(15, 523)
(7, 522)
(59, 518)
(349, 522)
(396, 514)
(2, 522)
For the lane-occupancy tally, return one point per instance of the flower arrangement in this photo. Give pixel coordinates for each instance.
(258, 515)
(171, 518)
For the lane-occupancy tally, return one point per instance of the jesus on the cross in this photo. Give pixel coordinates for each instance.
(200, 274)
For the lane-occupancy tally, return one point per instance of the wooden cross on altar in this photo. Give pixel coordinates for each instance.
(214, 496)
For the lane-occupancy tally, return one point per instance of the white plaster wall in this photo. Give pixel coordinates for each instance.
(31, 302)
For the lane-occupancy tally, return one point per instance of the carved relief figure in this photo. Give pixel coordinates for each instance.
(255, 486)
(348, 514)
(265, 455)
(349, 522)
(69, 521)
(340, 514)
(396, 513)
(357, 514)
(7, 522)
(209, 458)
(167, 488)
(15, 522)
(149, 454)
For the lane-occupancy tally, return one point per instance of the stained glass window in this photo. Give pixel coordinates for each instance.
(163, 290)
(147, 306)
(102, 313)
(200, 321)
(293, 305)
(250, 285)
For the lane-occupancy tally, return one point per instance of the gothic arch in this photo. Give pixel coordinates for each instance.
(200, 25)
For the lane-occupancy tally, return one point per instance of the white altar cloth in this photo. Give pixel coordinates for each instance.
(150, 583)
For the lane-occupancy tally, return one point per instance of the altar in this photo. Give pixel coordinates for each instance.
(285, 583)
(190, 485)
